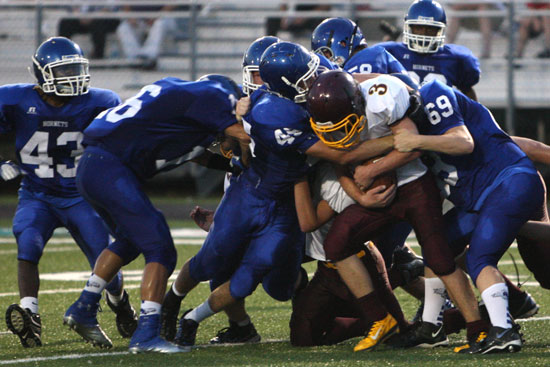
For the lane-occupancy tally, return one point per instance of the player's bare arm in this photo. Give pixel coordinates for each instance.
(376, 197)
(455, 141)
(236, 131)
(309, 216)
(535, 150)
(363, 151)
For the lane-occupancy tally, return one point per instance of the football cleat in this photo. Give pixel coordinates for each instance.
(126, 316)
(146, 338)
(81, 316)
(187, 331)
(427, 335)
(379, 331)
(474, 344)
(502, 340)
(169, 315)
(25, 324)
(236, 334)
(524, 307)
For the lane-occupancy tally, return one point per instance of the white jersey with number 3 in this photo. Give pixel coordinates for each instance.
(387, 100)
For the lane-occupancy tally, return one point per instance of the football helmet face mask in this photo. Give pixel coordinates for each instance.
(430, 15)
(60, 68)
(251, 62)
(337, 38)
(289, 69)
(337, 109)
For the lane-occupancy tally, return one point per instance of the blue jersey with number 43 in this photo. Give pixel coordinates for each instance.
(47, 138)
(470, 177)
(280, 133)
(165, 125)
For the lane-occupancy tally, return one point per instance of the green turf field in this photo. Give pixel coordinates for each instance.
(63, 347)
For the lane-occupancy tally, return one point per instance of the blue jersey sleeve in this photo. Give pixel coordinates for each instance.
(220, 114)
(469, 70)
(441, 107)
(10, 95)
(394, 66)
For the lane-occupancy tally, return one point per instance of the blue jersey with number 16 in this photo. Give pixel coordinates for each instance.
(165, 125)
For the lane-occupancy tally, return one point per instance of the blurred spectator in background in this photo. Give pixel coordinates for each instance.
(533, 26)
(295, 24)
(96, 27)
(141, 38)
(484, 25)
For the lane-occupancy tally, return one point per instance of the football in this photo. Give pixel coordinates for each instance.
(386, 179)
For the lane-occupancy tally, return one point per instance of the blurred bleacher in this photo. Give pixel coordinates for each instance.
(224, 29)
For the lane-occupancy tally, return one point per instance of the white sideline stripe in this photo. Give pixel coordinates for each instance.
(79, 356)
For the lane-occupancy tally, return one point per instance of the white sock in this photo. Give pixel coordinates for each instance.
(179, 294)
(496, 301)
(95, 284)
(200, 312)
(149, 308)
(115, 299)
(29, 302)
(434, 299)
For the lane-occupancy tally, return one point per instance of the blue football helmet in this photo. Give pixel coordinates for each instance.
(61, 68)
(425, 13)
(251, 61)
(227, 84)
(289, 69)
(337, 38)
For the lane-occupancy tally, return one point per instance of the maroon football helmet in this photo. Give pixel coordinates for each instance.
(337, 109)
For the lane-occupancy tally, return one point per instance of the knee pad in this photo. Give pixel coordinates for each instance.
(165, 255)
(30, 245)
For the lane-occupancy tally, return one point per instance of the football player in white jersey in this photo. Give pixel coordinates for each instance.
(384, 103)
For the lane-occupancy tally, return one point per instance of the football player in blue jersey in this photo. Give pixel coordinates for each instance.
(494, 187)
(255, 237)
(425, 55)
(342, 42)
(241, 329)
(48, 119)
(165, 125)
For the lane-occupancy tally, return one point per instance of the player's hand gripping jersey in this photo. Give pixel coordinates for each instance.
(387, 101)
(48, 139)
(165, 125)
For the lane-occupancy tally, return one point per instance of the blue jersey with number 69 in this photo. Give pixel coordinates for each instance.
(374, 60)
(469, 177)
(165, 125)
(280, 133)
(47, 138)
(452, 64)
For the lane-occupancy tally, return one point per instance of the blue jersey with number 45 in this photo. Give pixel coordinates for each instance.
(374, 60)
(280, 133)
(452, 64)
(47, 138)
(495, 157)
(165, 125)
